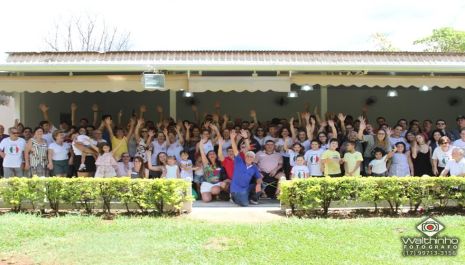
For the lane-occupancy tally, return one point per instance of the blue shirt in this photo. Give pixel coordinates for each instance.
(242, 175)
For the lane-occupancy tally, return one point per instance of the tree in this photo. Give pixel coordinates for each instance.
(87, 34)
(382, 43)
(444, 40)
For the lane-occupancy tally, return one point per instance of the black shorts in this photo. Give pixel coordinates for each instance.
(89, 162)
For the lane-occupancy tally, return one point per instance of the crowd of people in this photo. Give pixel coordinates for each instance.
(242, 158)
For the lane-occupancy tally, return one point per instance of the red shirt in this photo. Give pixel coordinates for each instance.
(228, 165)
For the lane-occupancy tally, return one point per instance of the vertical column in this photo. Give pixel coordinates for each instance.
(172, 103)
(324, 100)
(20, 106)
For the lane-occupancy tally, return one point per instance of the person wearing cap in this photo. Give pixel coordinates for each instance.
(460, 126)
(244, 171)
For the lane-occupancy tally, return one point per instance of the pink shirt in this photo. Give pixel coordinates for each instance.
(267, 162)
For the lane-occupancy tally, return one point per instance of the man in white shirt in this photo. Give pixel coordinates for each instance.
(455, 166)
(12, 152)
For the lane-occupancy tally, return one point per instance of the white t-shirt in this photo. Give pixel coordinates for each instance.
(313, 158)
(60, 152)
(378, 166)
(460, 143)
(186, 174)
(175, 150)
(48, 137)
(269, 137)
(442, 156)
(226, 145)
(208, 146)
(157, 148)
(299, 171)
(456, 168)
(13, 152)
(83, 139)
(171, 171)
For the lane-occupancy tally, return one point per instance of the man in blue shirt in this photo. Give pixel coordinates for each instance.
(244, 171)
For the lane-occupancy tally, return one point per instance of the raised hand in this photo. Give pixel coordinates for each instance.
(159, 109)
(140, 122)
(120, 113)
(217, 104)
(143, 108)
(107, 121)
(95, 108)
(73, 107)
(194, 108)
(151, 133)
(233, 134)
(187, 125)
(244, 134)
(331, 123)
(341, 117)
(215, 117)
(291, 121)
(43, 107)
(225, 117)
(253, 113)
(388, 131)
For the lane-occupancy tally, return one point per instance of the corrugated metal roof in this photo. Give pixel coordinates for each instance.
(241, 57)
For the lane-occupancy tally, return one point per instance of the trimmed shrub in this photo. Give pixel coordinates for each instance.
(160, 195)
(318, 193)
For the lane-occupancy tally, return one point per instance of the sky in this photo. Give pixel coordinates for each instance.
(236, 25)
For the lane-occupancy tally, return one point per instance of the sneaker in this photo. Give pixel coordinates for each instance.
(253, 202)
(82, 167)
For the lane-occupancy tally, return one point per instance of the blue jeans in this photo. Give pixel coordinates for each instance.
(242, 198)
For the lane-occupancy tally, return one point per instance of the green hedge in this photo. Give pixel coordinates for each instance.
(318, 193)
(157, 196)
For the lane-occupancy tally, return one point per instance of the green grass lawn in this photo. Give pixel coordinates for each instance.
(91, 240)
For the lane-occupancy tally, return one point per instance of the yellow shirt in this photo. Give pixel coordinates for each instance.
(350, 159)
(121, 146)
(331, 167)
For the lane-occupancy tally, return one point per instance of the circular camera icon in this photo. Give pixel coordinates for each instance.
(430, 226)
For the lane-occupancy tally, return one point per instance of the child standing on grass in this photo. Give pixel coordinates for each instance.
(171, 169)
(107, 166)
(300, 170)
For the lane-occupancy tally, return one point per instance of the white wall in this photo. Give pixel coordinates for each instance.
(410, 104)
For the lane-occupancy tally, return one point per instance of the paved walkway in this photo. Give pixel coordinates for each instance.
(227, 212)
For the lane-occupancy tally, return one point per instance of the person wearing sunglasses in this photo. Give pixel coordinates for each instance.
(12, 152)
(441, 155)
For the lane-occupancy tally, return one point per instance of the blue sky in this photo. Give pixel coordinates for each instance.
(239, 24)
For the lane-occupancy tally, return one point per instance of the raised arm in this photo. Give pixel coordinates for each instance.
(188, 131)
(362, 128)
(73, 113)
(220, 150)
(291, 126)
(253, 115)
(95, 110)
(233, 135)
(341, 117)
(108, 123)
(310, 128)
(195, 110)
(160, 113)
(132, 124)
(202, 153)
(44, 109)
(225, 122)
(180, 136)
(120, 116)
(142, 110)
(137, 129)
(333, 128)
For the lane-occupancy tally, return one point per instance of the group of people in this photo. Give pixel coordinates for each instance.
(244, 159)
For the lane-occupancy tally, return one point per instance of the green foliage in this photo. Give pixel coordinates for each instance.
(160, 195)
(444, 40)
(318, 193)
